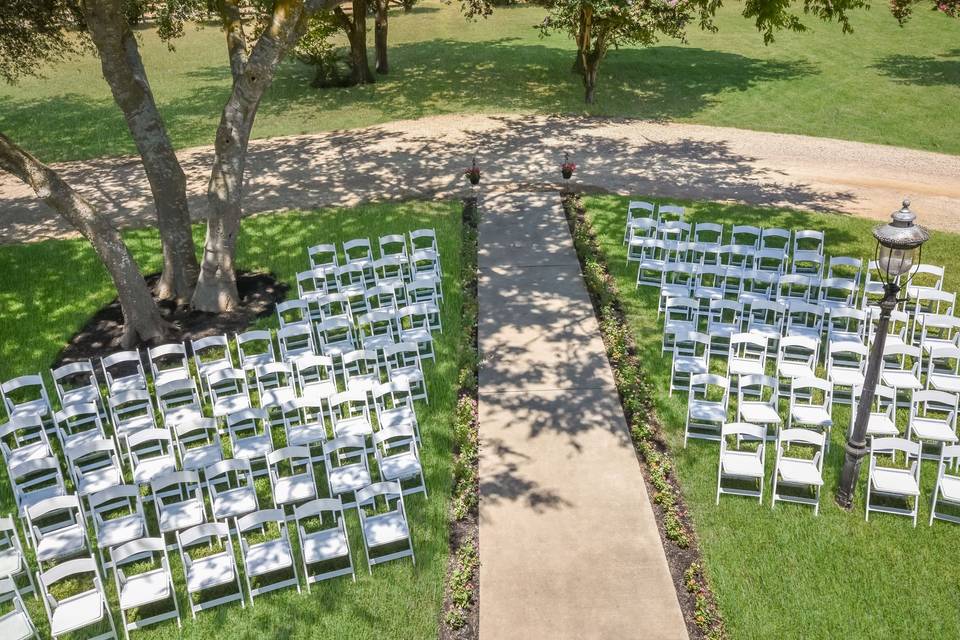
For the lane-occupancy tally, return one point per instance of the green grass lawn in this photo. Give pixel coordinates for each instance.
(882, 84)
(52, 287)
(785, 573)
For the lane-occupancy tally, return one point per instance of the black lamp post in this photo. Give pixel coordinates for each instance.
(899, 245)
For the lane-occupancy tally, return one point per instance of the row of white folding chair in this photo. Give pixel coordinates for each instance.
(742, 460)
(641, 210)
(421, 273)
(362, 248)
(316, 306)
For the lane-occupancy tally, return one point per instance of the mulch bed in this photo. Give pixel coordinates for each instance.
(259, 292)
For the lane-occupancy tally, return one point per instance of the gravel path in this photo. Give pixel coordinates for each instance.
(423, 158)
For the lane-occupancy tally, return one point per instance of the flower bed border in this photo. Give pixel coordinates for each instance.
(461, 604)
(696, 596)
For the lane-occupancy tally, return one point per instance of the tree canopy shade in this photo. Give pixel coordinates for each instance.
(34, 33)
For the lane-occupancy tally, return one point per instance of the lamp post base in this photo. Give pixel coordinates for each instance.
(852, 461)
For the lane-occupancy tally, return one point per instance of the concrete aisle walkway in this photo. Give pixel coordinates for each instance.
(569, 545)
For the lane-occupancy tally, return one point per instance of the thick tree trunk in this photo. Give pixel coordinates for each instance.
(355, 26)
(217, 286)
(380, 36)
(590, 82)
(582, 39)
(124, 72)
(141, 317)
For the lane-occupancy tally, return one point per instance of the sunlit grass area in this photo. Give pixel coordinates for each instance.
(882, 84)
(784, 573)
(52, 287)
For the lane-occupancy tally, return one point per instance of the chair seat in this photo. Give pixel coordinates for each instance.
(98, 480)
(710, 411)
(81, 438)
(375, 343)
(210, 571)
(276, 397)
(15, 626)
(306, 434)
(38, 406)
(202, 457)
(352, 427)
(252, 447)
(745, 367)
(254, 360)
(181, 515)
(950, 488)
(402, 416)
(348, 478)
(163, 377)
(416, 335)
(400, 466)
(144, 588)
(794, 370)
(741, 464)
(233, 503)
(319, 390)
(61, 543)
(324, 545)
(811, 415)
(805, 472)
(365, 383)
(292, 489)
(31, 452)
(128, 383)
(759, 413)
(76, 612)
(11, 562)
(900, 380)
(267, 557)
(689, 364)
(880, 425)
(940, 382)
(846, 377)
(181, 415)
(385, 528)
(230, 404)
(894, 481)
(116, 531)
(137, 423)
(149, 470)
(934, 430)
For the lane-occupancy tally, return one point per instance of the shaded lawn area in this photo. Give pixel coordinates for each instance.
(52, 287)
(882, 84)
(784, 573)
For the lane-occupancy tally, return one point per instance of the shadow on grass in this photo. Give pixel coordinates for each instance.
(942, 69)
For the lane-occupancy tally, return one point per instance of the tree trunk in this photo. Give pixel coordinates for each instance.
(124, 72)
(590, 81)
(141, 317)
(582, 39)
(380, 36)
(355, 26)
(217, 286)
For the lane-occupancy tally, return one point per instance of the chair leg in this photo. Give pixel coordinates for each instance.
(933, 503)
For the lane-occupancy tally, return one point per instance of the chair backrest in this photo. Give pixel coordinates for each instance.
(393, 244)
(316, 509)
(23, 389)
(423, 239)
(201, 534)
(259, 519)
(931, 404)
(894, 444)
(927, 275)
(292, 312)
(845, 267)
(228, 474)
(357, 249)
(168, 359)
(65, 570)
(74, 376)
(177, 393)
(901, 357)
(708, 232)
(743, 429)
(121, 366)
(798, 349)
(774, 238)
(388, 490)
(702, 384)
(805, 391)
(322, 255)
(210, 351)
(254, 343)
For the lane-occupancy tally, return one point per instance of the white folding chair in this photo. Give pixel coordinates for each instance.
(335, 336)
(178, 501)
(901, 370)
(638, 210)
(767, 318)
(946, 492)
(265, 554)
(24, 438)
(417, 322)
(351, 414)
(758, 401)
(739, 463)
(228, 391)
(771, 262)
(811, 401)
(13, 559)
(17, 623)
(394, 245)
(255, 348)
(276, 384)
(345, 462)
(846, 367)
(707, 406)
(152, 455)
(26, 394)
(835, 293)
(322, 530)
(57, 529)
(882, 421)
(377, 329)
(305, 423)
(398, 458)
(168, 362)
(148, 583)
(178, 400)
(794, 287)
(384, 528)
(807, 252)
(76, 383)
(321, 255)
(943, 369)
(804, 319)
(293, 312)
(131, 411)
(747, 235)
(118, 518)
(231, 489)
(78, 610)
(747, 355)
(846, 324)
(295, 340)
(892, 482)
(213, 567)
(209, 355)
(639, 234)
(316, 377)
(797, 358)
(927, 275)
(35, 480)
(652, 258)
(404, 365)
(393, 404)
(250, 436)
(667, 212)
(76, 423)
(198, 444)
(933, 421)
(94, 466)
(691, 356)
(934, 330)
(724, 319)
(291, 476)
(897, 329)
(361, 370)
(123, 371)
(796, 471)
(845, 267)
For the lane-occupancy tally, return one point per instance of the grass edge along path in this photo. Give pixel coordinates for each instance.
(676, 531)
(462, 599)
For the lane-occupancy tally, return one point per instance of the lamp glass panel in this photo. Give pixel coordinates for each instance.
(895, 262)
